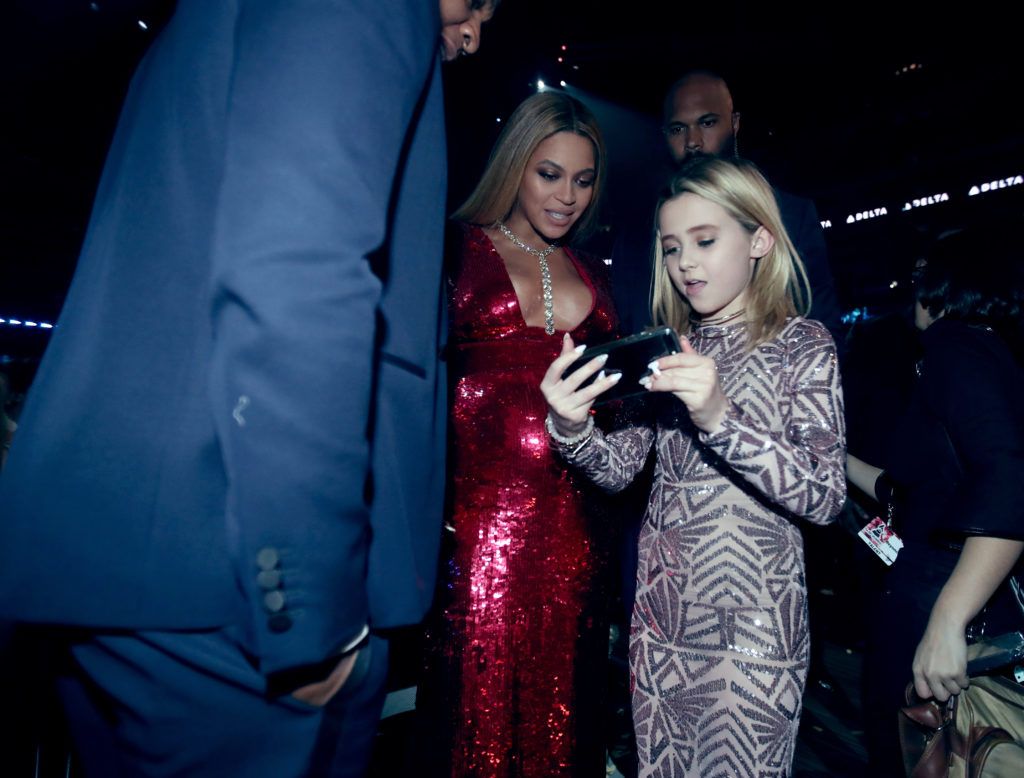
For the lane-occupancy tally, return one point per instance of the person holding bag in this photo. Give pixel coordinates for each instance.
(953, 485)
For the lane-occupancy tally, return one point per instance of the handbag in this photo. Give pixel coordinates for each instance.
(978, 733)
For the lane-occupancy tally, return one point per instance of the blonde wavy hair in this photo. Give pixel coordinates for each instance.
(536, 119)
(776, 288)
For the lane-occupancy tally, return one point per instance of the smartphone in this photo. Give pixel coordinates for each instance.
(629, 356)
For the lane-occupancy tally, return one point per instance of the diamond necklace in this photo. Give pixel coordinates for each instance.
(545, 275)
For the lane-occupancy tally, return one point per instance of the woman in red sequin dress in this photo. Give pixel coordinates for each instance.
(516, 660)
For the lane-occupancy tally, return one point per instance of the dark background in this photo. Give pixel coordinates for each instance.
(858, 105)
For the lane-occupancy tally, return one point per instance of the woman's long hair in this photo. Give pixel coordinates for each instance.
(775, 292)
(537, 118)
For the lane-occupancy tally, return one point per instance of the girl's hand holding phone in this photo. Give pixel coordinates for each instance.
(568, 405)
(694, 380)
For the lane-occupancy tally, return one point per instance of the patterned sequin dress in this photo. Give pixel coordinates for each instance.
(521, 642)
(719, 641)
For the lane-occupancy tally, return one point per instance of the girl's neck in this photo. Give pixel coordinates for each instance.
(735, 316)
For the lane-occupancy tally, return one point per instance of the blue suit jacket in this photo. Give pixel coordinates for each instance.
(242, 396)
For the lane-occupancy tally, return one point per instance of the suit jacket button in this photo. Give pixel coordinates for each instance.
(273, 601)
(269, 579)
(279, 622)
(268, 558)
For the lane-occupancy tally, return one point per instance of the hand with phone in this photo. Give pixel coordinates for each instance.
(569, 401)
(692, 378)
(632, 357)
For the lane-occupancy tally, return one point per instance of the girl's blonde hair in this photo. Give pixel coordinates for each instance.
(537, 118)
(776, 290)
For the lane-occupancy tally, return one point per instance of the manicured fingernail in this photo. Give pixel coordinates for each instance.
(600, 375)
(580, 348)
(615, 377)
(603, 358)
(653, 367)
(645, 382)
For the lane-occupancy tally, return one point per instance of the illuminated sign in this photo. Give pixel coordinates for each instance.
(924, 202)
(862, 215)
(43, 325)
(991, 186)
(826, 223)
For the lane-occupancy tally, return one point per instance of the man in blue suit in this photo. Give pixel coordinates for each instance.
(230, 467)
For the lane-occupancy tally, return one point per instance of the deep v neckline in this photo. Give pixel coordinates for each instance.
(584, 277)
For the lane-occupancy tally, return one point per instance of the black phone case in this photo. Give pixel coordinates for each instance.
(629, 356)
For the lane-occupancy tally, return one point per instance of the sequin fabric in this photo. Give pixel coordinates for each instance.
(719, 640)
(521, 640)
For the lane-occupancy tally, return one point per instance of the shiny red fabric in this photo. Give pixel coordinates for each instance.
(520, 587)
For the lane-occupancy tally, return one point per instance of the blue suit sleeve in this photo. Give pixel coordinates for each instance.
(322, 97)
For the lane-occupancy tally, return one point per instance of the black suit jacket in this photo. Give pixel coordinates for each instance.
(957, 455)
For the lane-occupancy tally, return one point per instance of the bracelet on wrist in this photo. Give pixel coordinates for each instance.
(570, 440)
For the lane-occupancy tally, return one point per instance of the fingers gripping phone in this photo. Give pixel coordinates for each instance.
(629, 356)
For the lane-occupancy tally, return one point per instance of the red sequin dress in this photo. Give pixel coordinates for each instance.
(521, 641)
